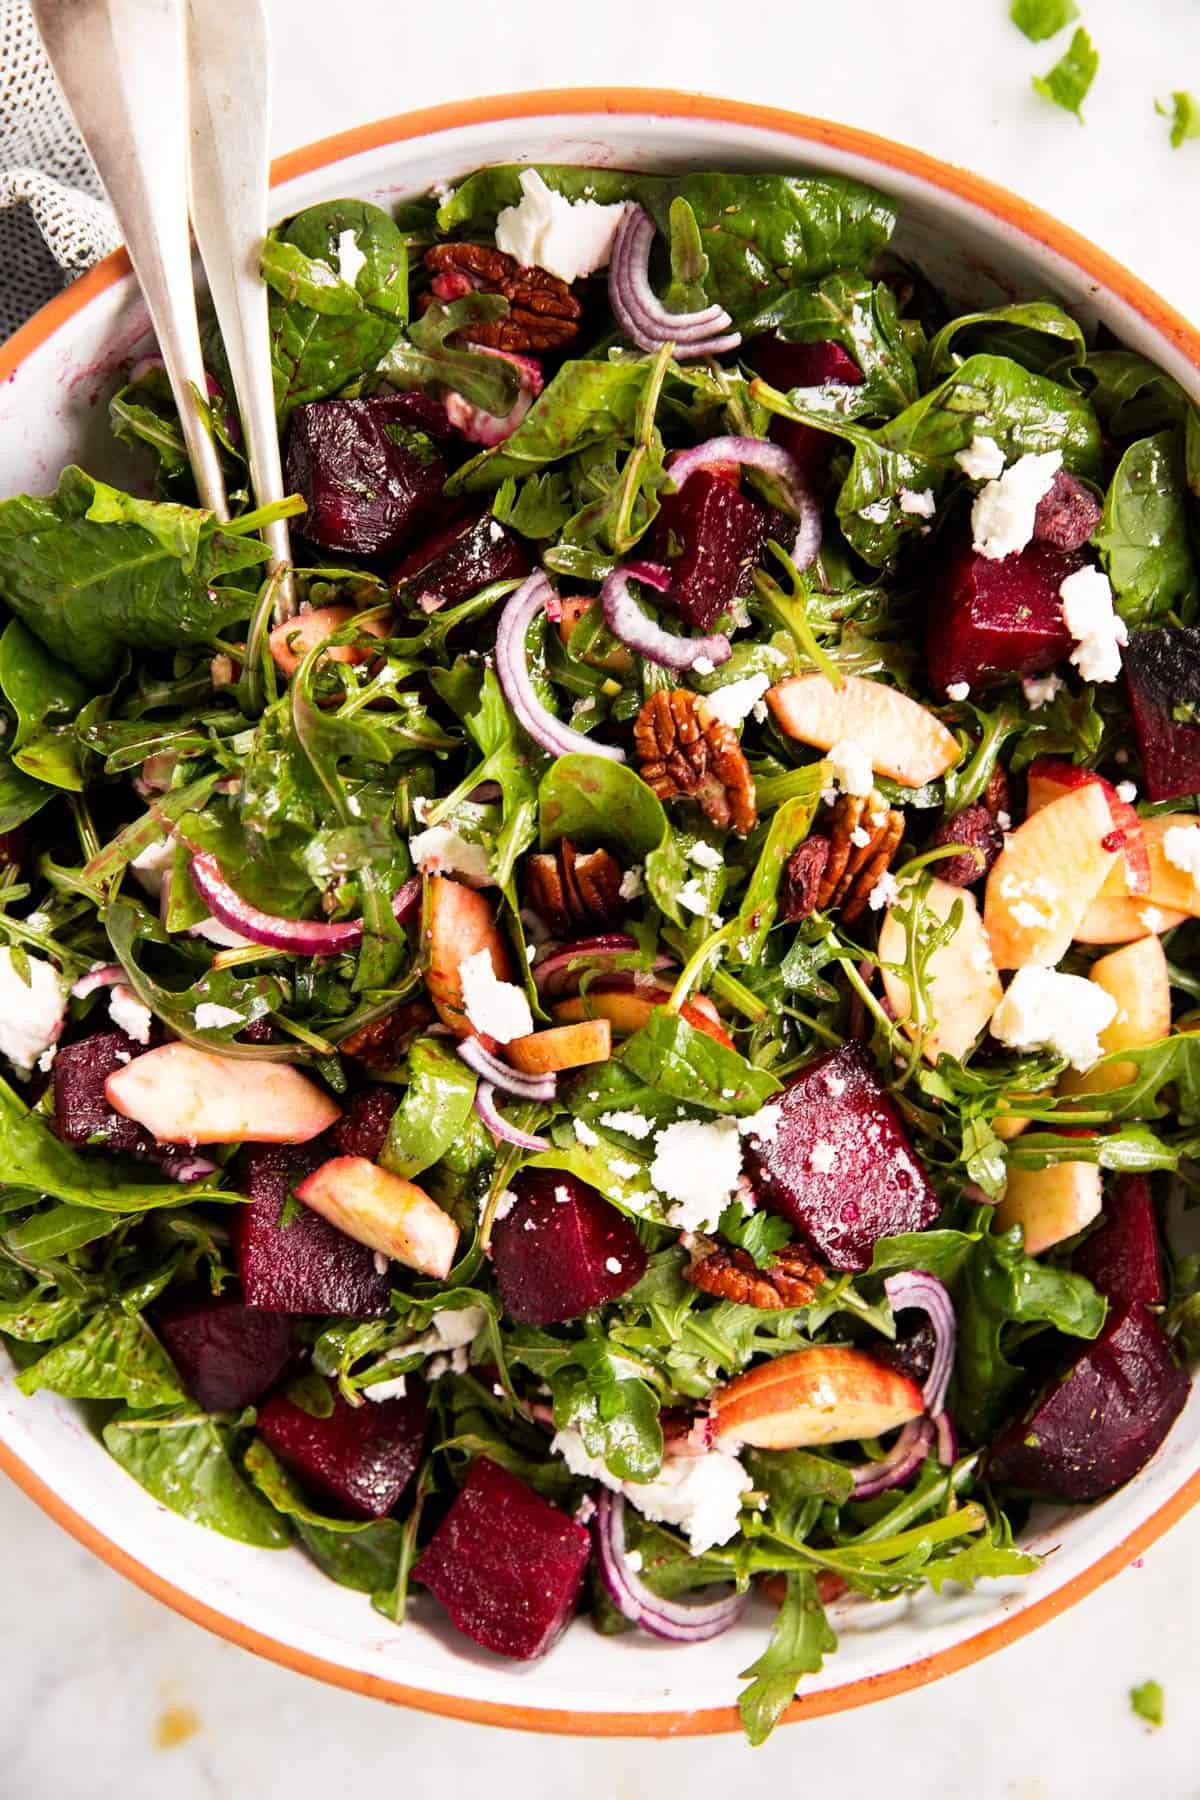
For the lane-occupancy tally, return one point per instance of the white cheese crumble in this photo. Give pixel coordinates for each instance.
(382, 1263)
(878, 513)
(1045, 1010)
(613, 1264)
(395, 1389)
(822, 1158)
(545, 230)
(150, 864)
(699, 1494)
(351, 260)
(703, 665)
(585, 1135)
(632, 886)
(504, 1205)
(1127, 791)
(885, 892)
(737, 699)
(761, 1126)
(705, 856)
(922, 504)
(441, 851)
(498, 1009)
(129, 1014)
(1181, 846)
(1087, 607)
(31, 1013)
(209, 1016)
(1040, 690)
(632, 1124)
(959, 690)
(696, 1165)
(850, 768)
(983, 460)
(692, 895)
(1002, 517)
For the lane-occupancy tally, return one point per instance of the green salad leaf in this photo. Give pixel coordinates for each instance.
(1068, 82)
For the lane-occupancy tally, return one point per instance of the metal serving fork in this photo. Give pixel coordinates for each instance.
(173, 100)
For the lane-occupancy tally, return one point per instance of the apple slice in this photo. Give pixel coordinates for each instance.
(1173, 888)
(1052, 1203)
(457, 923)
(902, 738)
(1049, 872)
(1137, 978)
(1049, 778)
(826, 1395)
(627, 1008)
(383, 1211)
(292, 639)
(964, 987)
(1114, 920)
(562, 1047)
(186, 1096)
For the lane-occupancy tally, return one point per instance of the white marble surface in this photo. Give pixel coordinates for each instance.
(90, 1669)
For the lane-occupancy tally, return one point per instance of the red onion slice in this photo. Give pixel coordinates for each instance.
(916, 1288)
(947, 1439)
(670, 1619)
(512, 672)
(641, 314)
(485, 1106)
(773, 460)
(509, 1081)
(306, 937)
(901, 1462)
(559, 972)
(626, 620)
(187, 1166)
(107, 975)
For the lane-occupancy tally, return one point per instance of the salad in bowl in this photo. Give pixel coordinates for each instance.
(631, 1050)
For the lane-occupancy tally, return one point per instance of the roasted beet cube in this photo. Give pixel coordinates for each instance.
(360, 1457)
(1122, 1258)
(506, 1565)
(457, 561)
(562, 1249)
(975, 827)
(988, 620)
(307, 1265)
(839, 1165)
(1100, 1420)
(801, 881)
(711, 537)
(363, 1126)
(786, 366)
(1162, 669)
(370, 471)
(82, 1114)
(1067, 516)
(227, 1353)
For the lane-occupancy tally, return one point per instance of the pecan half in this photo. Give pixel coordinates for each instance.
(792, 1279)
(864, 835)
(575, 890)
(687, 752)
(543, 313)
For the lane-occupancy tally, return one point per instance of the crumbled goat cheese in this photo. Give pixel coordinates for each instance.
(822, 1158)
(696, 1165)
(498, 1009)
(441, 851)
(1181, 846)
(983, 460)
(1041, 689)
(733, 702)
(703, 665)
(1004, 820)
(1002, 517)
(860, 837)
(422, 806)
(613, 1264)
(395, 1389)
(211, 1017)
(1065, 1014)
(545, 230)
(351, 260)
(705, 856)
(45, 1061)
(633, 1561)
(959, 690)
(585, 1135)
(129, 1015)
(623, 1168)
(762, 1125)
(885, 892)
(699, 1494)
(1127, 791)
(923, 504)
(692, 896)
(31, 1012)
(506, 1202)
(849, 768)
(632, 1124)
(632, 886)
(451, 1329)
(150, 864)
(877, 513)
(1087, 607)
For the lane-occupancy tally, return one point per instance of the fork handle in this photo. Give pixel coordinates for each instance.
(120, 64)
(229, 80)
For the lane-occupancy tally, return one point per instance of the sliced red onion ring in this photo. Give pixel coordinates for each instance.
(512, 671)
(188, 1167)
(947, 1439)
(901, 1462)
(917, 1288)
(509, 1081)
(671, 1619)
(626, 620)
(753, 453)
(307, 937)
(106, 976)
(561, 969)
(485, 1106)
(641, 314)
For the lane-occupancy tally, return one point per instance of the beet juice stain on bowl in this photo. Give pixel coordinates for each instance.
(713, 1258)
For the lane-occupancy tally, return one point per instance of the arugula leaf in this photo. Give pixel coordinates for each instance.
(1040, 19)
(1184, 115)
(115, 1357)
(182, 1458)
(584, 404)
(756, 914)
(614, 1412)
(680, 1060)
(980, 1560)
(1143, 537)
(1067, 83)
(1147, 1701)
(941, 1253)
(436, 1105)
(800, 1641)
(55, 1230)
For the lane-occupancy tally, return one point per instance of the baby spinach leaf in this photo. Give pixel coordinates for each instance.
(21, 796)
(860, 316)
(1147, 1701)
(475, 202)
(55, 1230)
(760, 903)
(436, 1105)
(427, 355)
(583, 404)
(616, 1414)
(1040, 19)
(1129, 395)
(1184, 115)
(599, 801)
(1143, 536)
(1067, 83)
(801, 1640)
(1015, 330)
(182, 1459)
(679, 1059)
(32, 1321)
(115, 1357)
(274, 1482)
(36, 685)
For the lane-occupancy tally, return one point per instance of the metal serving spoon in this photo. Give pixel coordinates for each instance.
(172, 98)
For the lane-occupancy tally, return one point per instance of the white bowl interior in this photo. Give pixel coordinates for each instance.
(52, 412)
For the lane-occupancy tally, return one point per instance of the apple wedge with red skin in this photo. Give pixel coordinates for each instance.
(826, 1395)
(305, 1265)
(562, 1249)
(1046, 878)
(627, 1000)
(903, 739)
(383, 1211)
(506, 1565)
(1122, 1258)
(187, 1096)
(227, 1353)
(1049, 779)
(457, 922)
(360, 1457)
(1101, 1420)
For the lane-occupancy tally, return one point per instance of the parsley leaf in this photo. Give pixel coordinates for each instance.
(1067, 83)
(1040, 19)
(1184, 115)
(1147, 1701)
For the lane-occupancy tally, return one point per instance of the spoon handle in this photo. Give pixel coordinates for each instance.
(120, 64)
(229, 78)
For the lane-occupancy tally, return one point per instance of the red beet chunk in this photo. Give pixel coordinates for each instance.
(1122, 1258)
(363, 1126)
(786, 366)
(974, 826)
(360, 1457)
(1101, 1420)
(711, 537)
(506, 1565)
(82, 1114)
(228, 1353)
(988, 620)
(836, 1112)
(1162, 669)
(306, 1266)
(371, 471)
(562, 1249)
(457, 561)
(1067, 516)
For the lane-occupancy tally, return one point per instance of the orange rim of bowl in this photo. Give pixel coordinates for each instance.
(1009, 210)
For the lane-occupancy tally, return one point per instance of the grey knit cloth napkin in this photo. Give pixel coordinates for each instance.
(54, 219)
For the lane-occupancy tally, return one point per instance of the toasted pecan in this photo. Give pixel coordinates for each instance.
(575, 890)
(543, 313)
(792, 1279)
(687, 752)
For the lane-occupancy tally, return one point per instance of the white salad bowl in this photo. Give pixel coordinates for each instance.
(983, 246)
